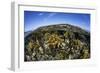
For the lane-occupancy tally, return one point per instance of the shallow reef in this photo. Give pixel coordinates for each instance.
(57, 42)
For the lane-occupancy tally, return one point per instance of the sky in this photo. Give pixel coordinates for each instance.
(35, 19)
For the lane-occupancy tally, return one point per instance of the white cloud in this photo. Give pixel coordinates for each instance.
(49, 15)
(40, 14)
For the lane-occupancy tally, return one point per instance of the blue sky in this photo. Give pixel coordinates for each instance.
(35, 19)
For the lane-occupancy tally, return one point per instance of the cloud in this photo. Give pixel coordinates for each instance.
(49, 16)
(40, 14)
